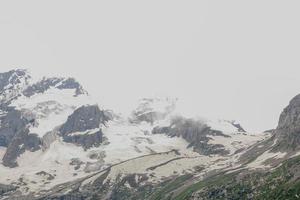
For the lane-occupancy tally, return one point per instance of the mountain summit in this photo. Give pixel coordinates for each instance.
(57, 143)
(288, 130)
(31, 110)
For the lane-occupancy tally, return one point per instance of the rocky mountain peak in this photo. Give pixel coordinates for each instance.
(53, 134)
(290, 117)
(288, 129)
(152, 109)
(32, 109)
(54, 82)
(12, 83)
(13, 77)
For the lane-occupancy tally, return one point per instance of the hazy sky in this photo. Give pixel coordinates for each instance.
(228, 59)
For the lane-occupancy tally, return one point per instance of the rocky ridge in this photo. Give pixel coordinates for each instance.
(90, 153)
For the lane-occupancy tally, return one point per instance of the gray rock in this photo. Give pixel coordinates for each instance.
(86, 141)
(21, 142)
(11, 77)
(10, 85)
(194, 132)
(41, 86)
(83, 119)
(290, 117)
(288, 129)
(14, 134)
(238, 126)
(14, 124)
(60, 83)
(71, 83)
(11, 124)
(147, 111)
(48, 139)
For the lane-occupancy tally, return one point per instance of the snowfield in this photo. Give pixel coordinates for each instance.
(128, 146)
(123, 141)
(238, 141)
(51, 108)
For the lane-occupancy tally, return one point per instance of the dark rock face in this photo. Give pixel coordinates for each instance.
(60, 83)
(238, 126)
(11, 77)
(14, 124)
(71, 83)
(83, 119)
(14, 134)
(288, 129)
(194, 132)
(41, 86)
(10, 85)
(11, 123)
(290, 117)
(21, 142)
(32, 142)
(86, 141)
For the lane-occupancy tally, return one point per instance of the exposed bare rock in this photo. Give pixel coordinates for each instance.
(60, 83)
(196, 133)
(11, 84)
(288, 129)
(153, 109)
(80, 126)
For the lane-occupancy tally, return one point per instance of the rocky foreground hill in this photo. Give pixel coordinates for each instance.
(56, 142)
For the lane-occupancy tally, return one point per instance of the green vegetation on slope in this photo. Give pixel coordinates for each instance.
(280, 183)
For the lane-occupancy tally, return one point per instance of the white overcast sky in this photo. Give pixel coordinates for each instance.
(227, 59)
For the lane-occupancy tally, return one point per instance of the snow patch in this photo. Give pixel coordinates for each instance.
(237, 141)
(87, 132)
(258, 163)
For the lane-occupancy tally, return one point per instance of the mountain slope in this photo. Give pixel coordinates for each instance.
(57, 143)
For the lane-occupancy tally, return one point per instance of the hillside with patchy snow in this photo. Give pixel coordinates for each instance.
(56, 142)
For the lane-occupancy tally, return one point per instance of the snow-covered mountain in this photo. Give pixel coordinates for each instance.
(56, 142)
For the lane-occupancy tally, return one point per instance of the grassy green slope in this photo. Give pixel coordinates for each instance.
(280, 183)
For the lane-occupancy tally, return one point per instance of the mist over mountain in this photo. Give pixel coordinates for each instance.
(57, 142)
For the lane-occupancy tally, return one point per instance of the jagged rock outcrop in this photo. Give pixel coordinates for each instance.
(11, 77)
(290, 117)
(11, 123)
(11, 83)
(288, 129)
(153, 109)
(41, 86)
(84, 118)
(20, 119)
(14, 134)
(131, 163)
(49, 138)
(86, 140)
(21, 142)
(196, 133)
(60, 83)
(71, 83)
(80, 126)
(238, 126)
